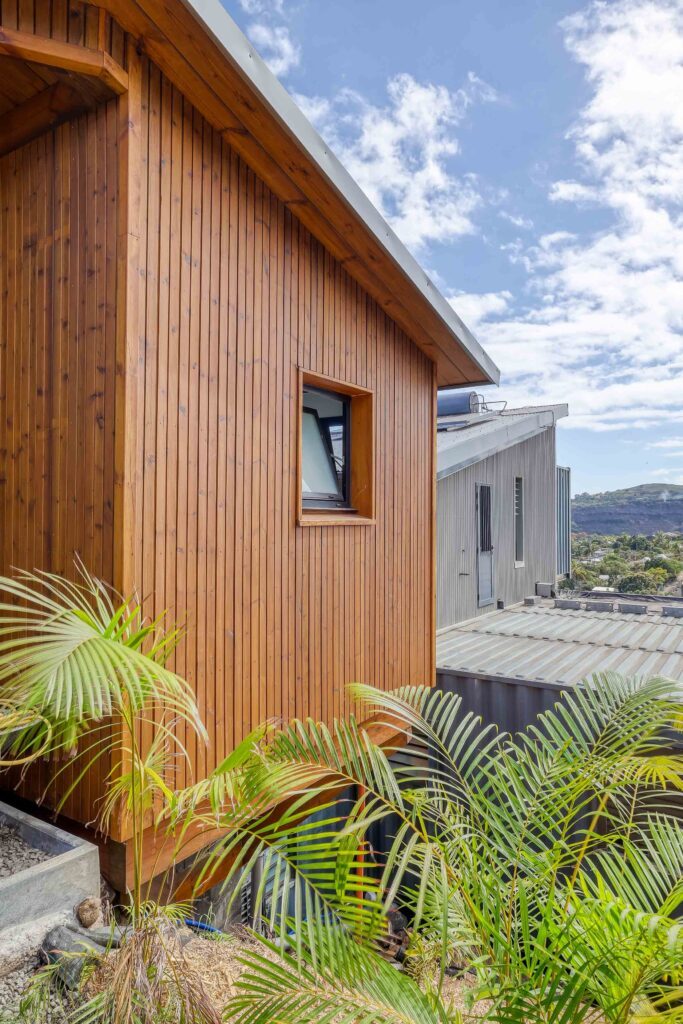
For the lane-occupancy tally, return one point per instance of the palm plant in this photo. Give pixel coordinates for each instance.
(333, 980)
(82, 672)
(548, 863)
(71, 656)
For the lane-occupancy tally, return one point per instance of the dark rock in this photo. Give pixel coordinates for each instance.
(62, 946)
(398, 922)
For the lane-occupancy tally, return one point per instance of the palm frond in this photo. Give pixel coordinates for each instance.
(645, 870)
(504, 849)
(334, 980)
(71, 656)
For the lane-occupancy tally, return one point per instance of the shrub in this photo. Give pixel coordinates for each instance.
(637, 583)
(525, 859)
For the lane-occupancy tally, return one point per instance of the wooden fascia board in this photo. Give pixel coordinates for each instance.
(52, 53)
(204, 73)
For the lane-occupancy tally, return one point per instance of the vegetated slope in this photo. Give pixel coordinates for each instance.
(643, 509)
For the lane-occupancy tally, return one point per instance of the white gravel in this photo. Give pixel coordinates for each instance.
(12, 985)
(15, 854)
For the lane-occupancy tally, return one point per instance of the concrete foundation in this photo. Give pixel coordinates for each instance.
(53, 887)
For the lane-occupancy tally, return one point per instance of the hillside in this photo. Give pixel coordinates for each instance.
(643, 509)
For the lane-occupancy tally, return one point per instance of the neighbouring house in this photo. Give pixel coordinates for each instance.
(503, 505)
(218, 368)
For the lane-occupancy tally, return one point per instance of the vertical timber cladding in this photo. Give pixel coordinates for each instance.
(58, 250)
(237, 296)
(69, 21)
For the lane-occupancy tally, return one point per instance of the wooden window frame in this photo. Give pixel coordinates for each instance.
(361, 471)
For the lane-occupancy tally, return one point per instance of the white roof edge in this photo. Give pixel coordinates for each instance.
(511, 430)
(229, 38)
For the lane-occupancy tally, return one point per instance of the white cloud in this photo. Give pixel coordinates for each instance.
(276, 46)
(670, 476)
(668, 442)
(517, 220)
(316, 108)
(262, 6)
(673, 447)
(401, 154)
(601, 324)
(474, 308)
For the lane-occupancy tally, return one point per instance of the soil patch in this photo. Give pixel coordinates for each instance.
(218, 965)
(217, 962)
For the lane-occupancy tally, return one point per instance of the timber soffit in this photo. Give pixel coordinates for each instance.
(483, 436)
(196, 43)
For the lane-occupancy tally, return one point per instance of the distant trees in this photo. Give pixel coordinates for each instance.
(614, 567)
(638, 583)
(630, 564)
(584, 578)
(672, 567)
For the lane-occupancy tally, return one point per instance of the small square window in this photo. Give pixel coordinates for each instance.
(324, 449)
(336, 456)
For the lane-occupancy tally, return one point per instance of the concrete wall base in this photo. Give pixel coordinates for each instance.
(53, 887)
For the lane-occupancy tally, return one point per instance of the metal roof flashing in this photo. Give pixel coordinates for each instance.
(217, 23)
(458, 449)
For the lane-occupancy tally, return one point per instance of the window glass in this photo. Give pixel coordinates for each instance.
(324, 457)
(519, 519)
(319, 476)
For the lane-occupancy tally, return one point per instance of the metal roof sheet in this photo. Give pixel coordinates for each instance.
(562, 646)
(472, 438)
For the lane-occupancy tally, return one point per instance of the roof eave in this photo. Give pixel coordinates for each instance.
(473, 450)
(371, 249)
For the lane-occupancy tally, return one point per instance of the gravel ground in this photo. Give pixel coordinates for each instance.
(15, 854)
(12, 987)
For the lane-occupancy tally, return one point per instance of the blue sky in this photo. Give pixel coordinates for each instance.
(530, 154)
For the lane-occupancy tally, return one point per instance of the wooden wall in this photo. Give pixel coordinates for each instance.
(187, 322)
(70, 21)
(57, 358)
(456, 554)
(236, 296)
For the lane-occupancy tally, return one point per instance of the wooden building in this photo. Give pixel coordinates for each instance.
(218, 364)
(503, 523)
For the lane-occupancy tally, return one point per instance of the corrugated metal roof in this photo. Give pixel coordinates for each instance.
(557, 645)
(469, 439)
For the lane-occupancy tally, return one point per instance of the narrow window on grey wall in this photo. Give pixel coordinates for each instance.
(519, 520)
(485, 594)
